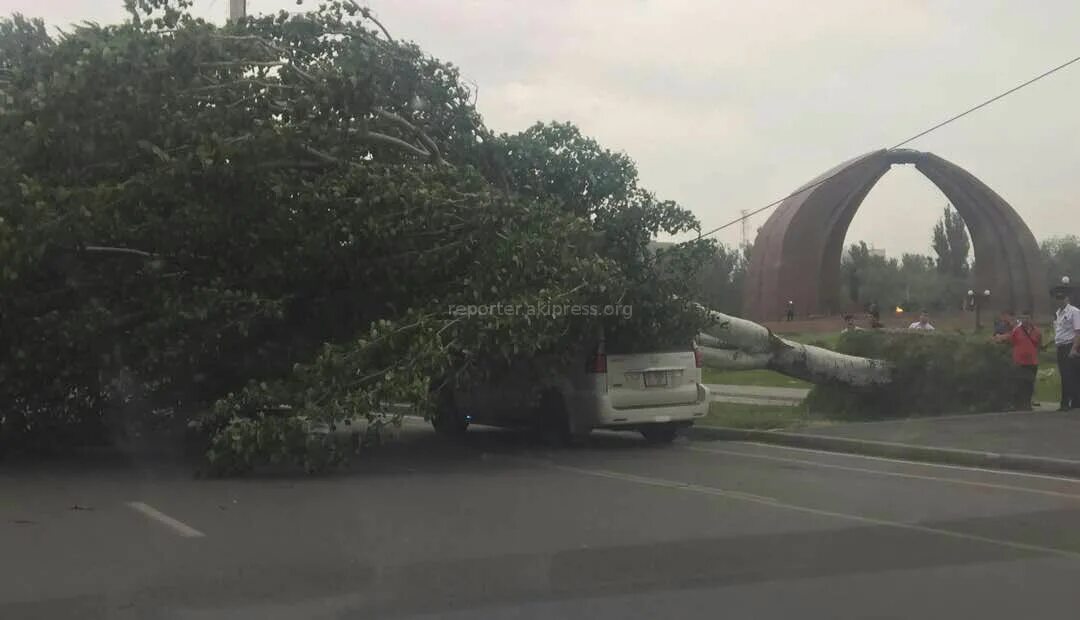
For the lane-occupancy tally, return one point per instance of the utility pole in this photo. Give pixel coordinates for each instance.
(237, 9)
(742, 223)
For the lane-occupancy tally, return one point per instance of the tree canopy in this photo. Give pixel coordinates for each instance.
(219, 224)
(1062, 256)
(951, 243)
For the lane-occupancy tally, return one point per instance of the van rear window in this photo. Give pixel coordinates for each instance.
(622, 343)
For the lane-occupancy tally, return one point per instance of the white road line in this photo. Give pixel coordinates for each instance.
(685, 486)
(746, 497)
(852, 455)
(894, 474)
(176, 526)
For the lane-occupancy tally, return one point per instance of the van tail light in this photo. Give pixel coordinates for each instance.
(597, 363)
(699, 357)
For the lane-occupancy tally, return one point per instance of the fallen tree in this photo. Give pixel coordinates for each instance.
(257, 230)
(268, 227)
(731, 343)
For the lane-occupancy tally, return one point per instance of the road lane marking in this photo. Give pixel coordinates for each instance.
(852, 455)
(179, 527)
(670, 484)
(766, 501)
(895, 474)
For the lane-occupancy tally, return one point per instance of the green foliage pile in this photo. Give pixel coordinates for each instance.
(934, 373)
(261, 228)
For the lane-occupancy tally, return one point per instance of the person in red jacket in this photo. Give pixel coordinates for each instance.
(1026, 341)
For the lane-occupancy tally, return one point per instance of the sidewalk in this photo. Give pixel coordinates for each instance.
(1051, 434)
(1044, 442)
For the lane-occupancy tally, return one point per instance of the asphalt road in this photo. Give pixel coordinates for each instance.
(502, 527)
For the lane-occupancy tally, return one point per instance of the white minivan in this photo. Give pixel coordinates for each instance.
(655, 393)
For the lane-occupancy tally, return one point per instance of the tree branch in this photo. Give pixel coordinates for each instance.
(222, 85)
(366, 12)
(243, 63)
(397, 255)
(278, 164)
(447, 326)
(304, 74)
(268, 45)
(115, 250)
(373, 136)
(424, 139)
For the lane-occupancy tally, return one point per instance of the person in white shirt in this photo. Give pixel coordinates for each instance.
(923, 322)
(849, 324)
(1067, 341)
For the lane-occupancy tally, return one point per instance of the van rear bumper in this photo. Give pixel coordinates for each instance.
(594, 410)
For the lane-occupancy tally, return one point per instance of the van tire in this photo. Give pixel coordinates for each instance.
(553, 419)
(665, 432)
(448, 420)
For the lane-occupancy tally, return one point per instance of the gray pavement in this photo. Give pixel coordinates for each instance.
(501, 526)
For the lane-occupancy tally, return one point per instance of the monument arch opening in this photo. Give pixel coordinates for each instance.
(797, 253)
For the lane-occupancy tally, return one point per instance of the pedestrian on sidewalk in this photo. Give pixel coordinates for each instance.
(1026, 340)
(791, 310)
(1067, 341)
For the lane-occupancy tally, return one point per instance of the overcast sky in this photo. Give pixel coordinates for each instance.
(728, 105)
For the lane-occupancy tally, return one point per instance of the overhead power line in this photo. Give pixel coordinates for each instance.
(745, 214)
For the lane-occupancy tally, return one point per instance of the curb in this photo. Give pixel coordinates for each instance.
(910, 452)
(767, 399)
(787, 394)
(742, 400)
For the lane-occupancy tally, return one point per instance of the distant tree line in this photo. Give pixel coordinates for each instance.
(1062, 257)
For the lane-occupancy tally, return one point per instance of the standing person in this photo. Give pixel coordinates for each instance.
(791, 310)
(1026, 340)
(875, 315)
(1005, 323)
(923, 322)
(1067, 341)
(849, 324)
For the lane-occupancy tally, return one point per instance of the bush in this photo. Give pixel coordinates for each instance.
(933, 374)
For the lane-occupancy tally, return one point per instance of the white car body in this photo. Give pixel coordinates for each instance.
(633, 391)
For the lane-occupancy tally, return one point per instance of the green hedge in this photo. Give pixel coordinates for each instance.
(934, 374)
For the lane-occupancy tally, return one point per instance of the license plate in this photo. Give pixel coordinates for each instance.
(656, 379)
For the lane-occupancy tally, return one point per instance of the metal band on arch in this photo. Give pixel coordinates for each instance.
(796, 255)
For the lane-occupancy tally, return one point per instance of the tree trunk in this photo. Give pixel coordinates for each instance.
(731, 343)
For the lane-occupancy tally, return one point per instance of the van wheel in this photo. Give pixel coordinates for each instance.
(553, 419)
(660, 433)
(448, 420)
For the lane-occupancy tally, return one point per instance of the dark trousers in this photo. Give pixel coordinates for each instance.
(1025, 386)
(1069, 369)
